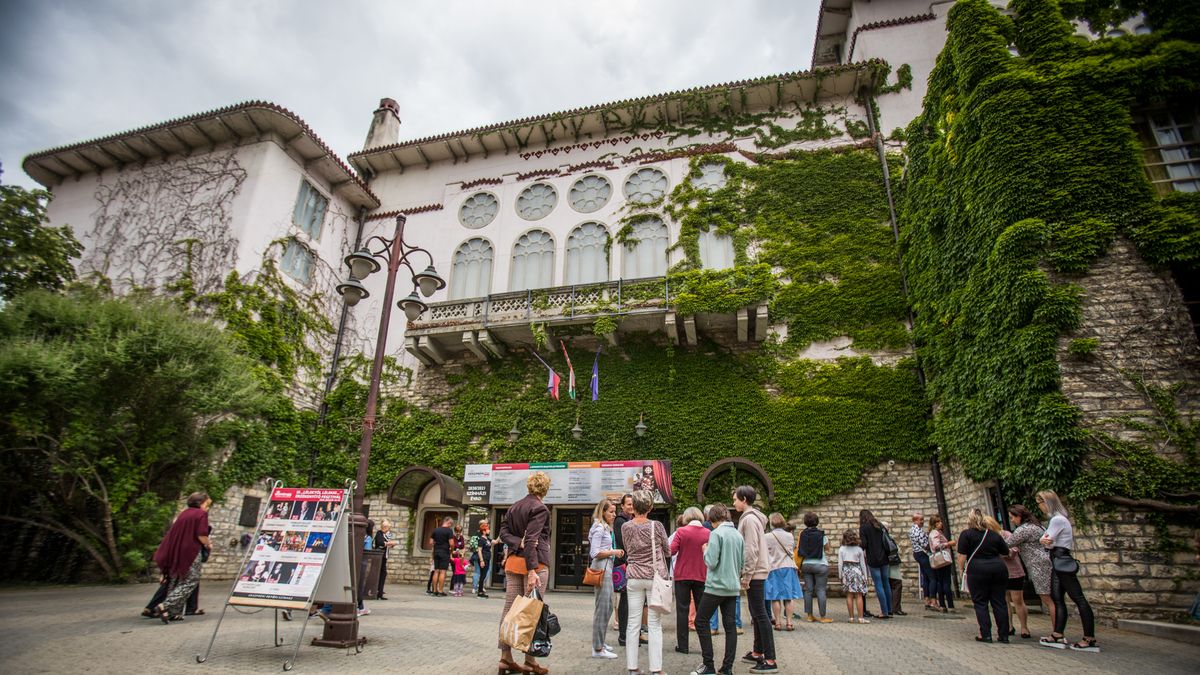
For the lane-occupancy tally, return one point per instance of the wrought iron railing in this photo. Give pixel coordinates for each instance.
(623, 296)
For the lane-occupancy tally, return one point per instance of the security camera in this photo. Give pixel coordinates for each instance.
(891, 462)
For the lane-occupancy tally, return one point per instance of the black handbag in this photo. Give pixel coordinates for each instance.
(547, 627)
(1062, 562)
(893, 551)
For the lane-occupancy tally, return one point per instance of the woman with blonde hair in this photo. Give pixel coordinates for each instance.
(980, 552)
(525, 530)
(1060, 540)
(602, 554)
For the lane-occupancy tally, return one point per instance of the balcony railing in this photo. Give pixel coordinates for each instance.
(623, 296)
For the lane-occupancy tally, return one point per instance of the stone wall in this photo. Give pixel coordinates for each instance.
(893, 491)
(1142, 327)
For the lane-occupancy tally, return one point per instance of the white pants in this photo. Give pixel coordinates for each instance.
(639, 595)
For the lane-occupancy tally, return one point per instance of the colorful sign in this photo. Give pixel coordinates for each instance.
(570, 482)
(291, 548)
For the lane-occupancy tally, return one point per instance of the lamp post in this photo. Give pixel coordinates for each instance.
(342, 628)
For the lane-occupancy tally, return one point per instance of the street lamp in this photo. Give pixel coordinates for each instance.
(393, 252)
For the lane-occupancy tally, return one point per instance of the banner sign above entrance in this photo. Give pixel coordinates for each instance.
(570, 482)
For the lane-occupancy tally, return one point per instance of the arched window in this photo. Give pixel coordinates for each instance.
(716, 250)
(532, 261)
(587, 254)
(648, 256)
(471, 276)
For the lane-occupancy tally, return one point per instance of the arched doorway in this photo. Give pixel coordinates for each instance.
(432, 495)
(721, 477)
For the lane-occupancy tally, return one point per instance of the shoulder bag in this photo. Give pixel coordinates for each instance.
(594, 576)
(893, 551)
(662, 591)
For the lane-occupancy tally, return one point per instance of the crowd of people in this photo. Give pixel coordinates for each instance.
(711, 560)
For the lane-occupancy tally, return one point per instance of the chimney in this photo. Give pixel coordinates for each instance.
(385, 125)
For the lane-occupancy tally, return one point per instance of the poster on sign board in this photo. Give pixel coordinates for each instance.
(291, 548)
(570, 482)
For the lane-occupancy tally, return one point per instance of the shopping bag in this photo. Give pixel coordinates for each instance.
(520, 623)
(662, 591)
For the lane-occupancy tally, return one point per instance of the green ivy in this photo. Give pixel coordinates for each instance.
(1019, 166)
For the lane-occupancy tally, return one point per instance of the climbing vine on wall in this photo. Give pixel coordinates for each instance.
(1016, 166)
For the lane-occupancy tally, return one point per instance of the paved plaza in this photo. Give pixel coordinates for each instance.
(97, 629)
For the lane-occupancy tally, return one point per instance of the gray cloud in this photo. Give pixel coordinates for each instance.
(70, 71)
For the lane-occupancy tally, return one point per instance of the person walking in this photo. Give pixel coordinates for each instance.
(385, 541)
(525, 530)
(783, 586)
(724, 557)
(942, 591)
(980, 553)
(687, 545)
(920, 550)
(1016, 582)
(1026, 538)
(853, 571)
(1059, 538)
(755, 568)
(480, 546)
(814, 566)
(178, 556)
(870, 533)
(645, 554)
(602, 554)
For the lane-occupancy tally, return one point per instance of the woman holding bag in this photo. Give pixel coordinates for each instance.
(600, 548)
(941, 552)
(1059, 538)
(646, 552)
(526, 532)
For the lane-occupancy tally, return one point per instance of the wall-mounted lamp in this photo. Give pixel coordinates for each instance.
(514, 433)
(641, 425)
(577, 431)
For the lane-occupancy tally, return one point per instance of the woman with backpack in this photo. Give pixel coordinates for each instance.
(814, 566)
(870, 533)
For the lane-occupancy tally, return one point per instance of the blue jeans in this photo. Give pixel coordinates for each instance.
(478, 582)
(737, 613)
(883, 588)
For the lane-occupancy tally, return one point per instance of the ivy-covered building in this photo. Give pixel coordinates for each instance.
(912, 278)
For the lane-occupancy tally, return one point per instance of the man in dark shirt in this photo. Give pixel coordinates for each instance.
(624, 515)
(441, 537)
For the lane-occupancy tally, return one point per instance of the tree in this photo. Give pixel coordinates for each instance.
(109, 409)
(32, 255)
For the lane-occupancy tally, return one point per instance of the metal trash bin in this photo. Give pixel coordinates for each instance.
(372, 562)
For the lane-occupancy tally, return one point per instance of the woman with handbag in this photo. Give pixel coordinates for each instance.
(941, 561)
(646, 552)
(980, 554)
(1026, 539)
(599, 574)
(1059, 538)
(526, 532)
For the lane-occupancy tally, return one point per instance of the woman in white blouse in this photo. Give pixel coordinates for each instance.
(1060, 540)
(600, 548)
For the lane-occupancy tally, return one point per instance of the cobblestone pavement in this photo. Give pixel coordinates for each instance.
(97, 629)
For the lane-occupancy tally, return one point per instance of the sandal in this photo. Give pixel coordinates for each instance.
(1025, 636)
(148, 613)
(1086, 645)
(162, 614)
(508, 666)
(535, 668)
(789, 627)
(778, 627)
(198, 612)
(1053, 642)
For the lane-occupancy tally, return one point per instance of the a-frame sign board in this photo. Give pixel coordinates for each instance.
(300, 555)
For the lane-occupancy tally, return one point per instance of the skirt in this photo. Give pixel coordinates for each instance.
(782, 584)
(853, 579)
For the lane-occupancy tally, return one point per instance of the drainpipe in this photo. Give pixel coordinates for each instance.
(337, 355)
(873, 127)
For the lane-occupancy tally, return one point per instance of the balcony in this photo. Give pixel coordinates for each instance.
(490, 325)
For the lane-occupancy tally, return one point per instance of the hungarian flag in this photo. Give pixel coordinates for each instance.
(596, 377)
(570, 370)
(552, 378)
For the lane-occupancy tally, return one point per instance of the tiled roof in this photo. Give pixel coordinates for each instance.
(97, 163)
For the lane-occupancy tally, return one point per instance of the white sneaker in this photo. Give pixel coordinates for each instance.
(364, 611)
(603, 654)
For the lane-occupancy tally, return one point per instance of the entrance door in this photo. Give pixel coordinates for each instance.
(498, 551)
(571, 549)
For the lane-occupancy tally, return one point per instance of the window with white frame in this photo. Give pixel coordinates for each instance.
(646, 254)
(587, 254)
(298, 262)
(532, 261)
(1172, 149)
(309, 214)
(471, 274)
(716, 250)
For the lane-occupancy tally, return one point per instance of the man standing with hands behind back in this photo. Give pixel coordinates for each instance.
(624, 515)
(753, 527)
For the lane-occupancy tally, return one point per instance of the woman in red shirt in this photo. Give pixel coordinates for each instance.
(687, 545)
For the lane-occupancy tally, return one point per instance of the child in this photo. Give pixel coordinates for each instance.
(852, 569)
(460, 573)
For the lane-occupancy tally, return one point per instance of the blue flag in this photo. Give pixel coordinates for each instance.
(596, 377)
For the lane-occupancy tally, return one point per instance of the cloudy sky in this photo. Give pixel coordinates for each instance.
(75, 70)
